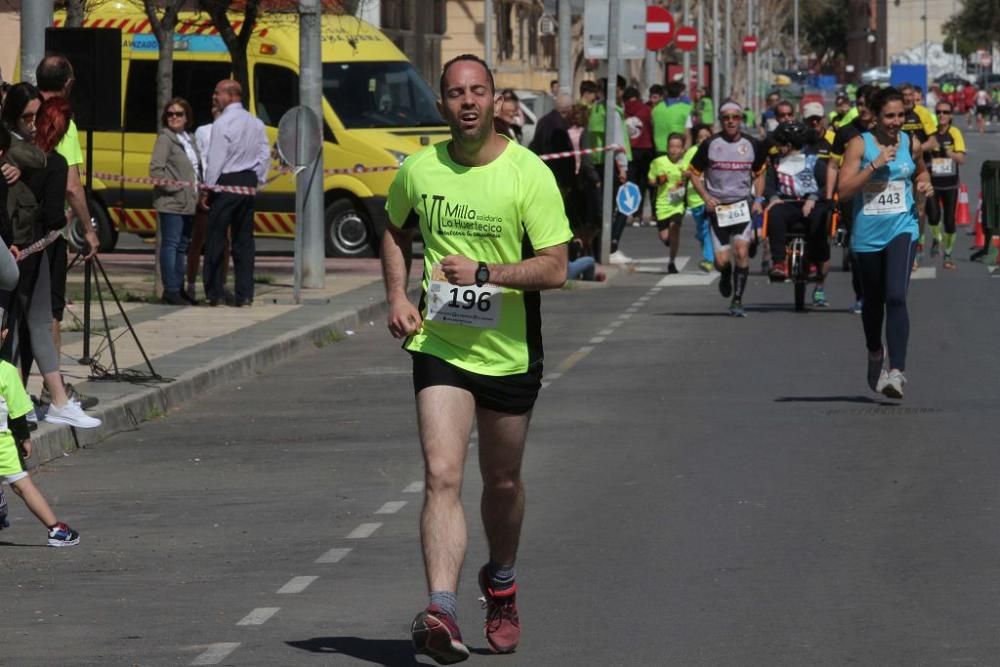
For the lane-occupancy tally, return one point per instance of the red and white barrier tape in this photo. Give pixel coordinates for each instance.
(358, 169)
(38, 246)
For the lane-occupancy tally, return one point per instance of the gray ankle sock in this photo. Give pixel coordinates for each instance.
(501, 578)
(447, 601)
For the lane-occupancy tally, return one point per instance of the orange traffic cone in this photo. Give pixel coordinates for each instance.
(962, 211)
(980, 240)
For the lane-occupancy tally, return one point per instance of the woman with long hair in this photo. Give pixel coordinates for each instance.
(31, 307)
(175, 157)
(880, 168)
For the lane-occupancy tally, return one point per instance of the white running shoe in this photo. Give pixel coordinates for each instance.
(618, 257)
(893, 387)
(71, 414)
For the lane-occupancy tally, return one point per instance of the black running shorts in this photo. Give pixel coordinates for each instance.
(663, 225)
(512, 394)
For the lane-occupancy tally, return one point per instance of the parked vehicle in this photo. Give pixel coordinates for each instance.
(376, 111)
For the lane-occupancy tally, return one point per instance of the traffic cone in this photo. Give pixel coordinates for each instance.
(980, 240)
(962, 211)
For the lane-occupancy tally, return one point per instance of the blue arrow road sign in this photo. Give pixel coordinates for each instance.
(628, 198)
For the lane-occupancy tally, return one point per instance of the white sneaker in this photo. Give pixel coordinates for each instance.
(893, 387)
(71, 414)
(618, 257)
(32, 416)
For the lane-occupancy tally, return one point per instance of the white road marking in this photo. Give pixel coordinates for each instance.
(334, 555)
(643, 299)
(586, 349)
(624, 316)
(391, 507)
(655, 290)
(597, 339)
(687, 279)
(296, 585)
(259, 616)
(414, 487)
(605, 332)
(363, 531)
(631, 311)
(215, 653)
(545, 385)
(924, 273)
(554, 376)
(615, 324)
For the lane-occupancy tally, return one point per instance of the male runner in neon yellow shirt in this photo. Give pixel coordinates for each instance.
(495, 233)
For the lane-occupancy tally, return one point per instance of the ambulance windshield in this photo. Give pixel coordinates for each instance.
(379, 94)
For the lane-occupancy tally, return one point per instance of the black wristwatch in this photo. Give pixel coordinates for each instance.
(482, 274)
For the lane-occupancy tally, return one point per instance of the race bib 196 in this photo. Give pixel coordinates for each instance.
(942, 166)
(467, 305)
(881, 198)
(729, 215)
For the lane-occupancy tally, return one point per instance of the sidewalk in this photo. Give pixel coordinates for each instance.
(197, 349)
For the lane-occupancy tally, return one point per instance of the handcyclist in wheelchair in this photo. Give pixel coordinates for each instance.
(795, 208)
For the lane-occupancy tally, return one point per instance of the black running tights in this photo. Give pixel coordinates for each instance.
(885, 277)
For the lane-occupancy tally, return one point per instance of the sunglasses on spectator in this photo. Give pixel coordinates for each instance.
(732, 117)
(942, 111)
(175, 114)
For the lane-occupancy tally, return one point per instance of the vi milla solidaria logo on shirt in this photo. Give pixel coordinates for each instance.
(459, 219)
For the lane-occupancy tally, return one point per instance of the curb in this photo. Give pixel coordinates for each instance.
(53, 441)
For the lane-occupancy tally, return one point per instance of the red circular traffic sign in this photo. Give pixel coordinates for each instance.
(686, 38)
(749, 44)
(659, 27)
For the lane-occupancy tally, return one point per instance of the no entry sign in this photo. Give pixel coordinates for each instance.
(659, 27)
(749, 44)
(686, 38)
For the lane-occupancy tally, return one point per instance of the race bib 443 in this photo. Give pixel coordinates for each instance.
(881, 198)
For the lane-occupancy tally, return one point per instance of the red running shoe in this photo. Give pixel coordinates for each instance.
(778, 272)
(503, 627)
(436, 634)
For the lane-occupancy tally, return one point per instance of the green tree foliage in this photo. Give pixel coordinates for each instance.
(977, 26)
(823, 24)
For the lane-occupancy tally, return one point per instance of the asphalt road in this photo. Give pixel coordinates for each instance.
(702, 490)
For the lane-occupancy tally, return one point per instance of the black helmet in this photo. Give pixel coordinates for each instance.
(794, 133)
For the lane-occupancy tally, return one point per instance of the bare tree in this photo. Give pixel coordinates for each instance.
(235, 42)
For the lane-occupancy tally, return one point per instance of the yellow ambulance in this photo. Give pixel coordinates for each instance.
(376, 111)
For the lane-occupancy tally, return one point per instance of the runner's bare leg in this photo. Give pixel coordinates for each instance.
(444, 417)
(501, 450)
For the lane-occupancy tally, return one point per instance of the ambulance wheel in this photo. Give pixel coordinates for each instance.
(106, 232)
(348, 232)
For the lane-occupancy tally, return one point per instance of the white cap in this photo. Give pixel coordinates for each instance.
(812, 109)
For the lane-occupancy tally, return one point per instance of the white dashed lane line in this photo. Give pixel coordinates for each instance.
(334, 555)
(391, 507)
(363, 531)
(414, 487)
(296, 585)
(597, 339)
(259, 616)
(215, 653)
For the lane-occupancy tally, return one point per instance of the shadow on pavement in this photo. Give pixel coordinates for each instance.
(833, 399)
(393, 652)
(25, 546)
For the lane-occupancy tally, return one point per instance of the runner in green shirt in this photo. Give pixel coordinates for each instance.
(495, 234)
(669, 173)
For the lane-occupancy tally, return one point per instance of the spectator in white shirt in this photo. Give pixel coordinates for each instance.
(239, 154)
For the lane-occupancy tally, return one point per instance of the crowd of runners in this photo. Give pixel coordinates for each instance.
(872, 175)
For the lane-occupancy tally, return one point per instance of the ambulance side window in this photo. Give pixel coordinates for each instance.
(276, 90)
(141, 113)
(193, 80)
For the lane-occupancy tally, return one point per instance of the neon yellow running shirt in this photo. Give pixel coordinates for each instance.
(14, 403)
(497, 213)
(670, 193)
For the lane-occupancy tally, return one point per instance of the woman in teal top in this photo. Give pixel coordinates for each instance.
(880, 168)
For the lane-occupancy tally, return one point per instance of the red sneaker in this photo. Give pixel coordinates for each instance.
(503, 627)
(436, 634)
(778, 272)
